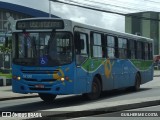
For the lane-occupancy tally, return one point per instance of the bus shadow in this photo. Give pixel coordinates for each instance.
(69, 101)
(120, 93)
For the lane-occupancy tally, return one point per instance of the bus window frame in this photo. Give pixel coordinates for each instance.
(126, 49)
(130, 49)
(150, 51)
(77, 33)
(106, 45)
(37, 31)
(92, 42)
(87, 38)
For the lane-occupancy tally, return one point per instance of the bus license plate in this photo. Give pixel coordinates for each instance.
(39, 86)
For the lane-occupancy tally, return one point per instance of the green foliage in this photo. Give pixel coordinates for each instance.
(6, 49)
(6, 75)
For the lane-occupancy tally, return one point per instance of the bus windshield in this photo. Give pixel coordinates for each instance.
(43, 49)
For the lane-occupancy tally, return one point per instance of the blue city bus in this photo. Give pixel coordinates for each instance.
(59, 57)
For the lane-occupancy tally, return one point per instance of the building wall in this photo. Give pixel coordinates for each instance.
(7, 19)
(146, 25)
(7, 22)
(128, 24)
(8, 14)
(154, 32)
(159, 33)
(146, 28)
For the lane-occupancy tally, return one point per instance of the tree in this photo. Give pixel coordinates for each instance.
(6, 48)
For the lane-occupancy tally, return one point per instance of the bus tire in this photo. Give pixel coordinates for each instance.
(96, 90)
(47, 97)
(137, 82)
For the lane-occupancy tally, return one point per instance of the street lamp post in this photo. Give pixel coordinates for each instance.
(50, 8)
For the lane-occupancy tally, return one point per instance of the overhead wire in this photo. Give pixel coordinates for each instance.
(74, 3)
(108, 4)
(152, 1)
(130, 5)
(120, 6)
(100, 7)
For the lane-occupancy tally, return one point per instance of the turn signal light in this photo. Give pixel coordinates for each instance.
(67, 78)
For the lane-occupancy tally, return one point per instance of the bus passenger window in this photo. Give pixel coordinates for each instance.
(150, 54)
(81, 48)
(139, 50)
(146, 51)
(131, 49)
(97, 45)
(122, 45)
(110, 47)
(83, 39)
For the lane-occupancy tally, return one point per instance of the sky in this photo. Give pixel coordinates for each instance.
(100, 19)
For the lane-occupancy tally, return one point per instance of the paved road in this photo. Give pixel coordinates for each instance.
(150, 89)
(153, 110)
(75, 103)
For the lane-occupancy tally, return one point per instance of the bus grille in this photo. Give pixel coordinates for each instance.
(45, 89)
(40, 71)
(42, 80)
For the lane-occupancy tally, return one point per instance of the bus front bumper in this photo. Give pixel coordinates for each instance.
(57, 89)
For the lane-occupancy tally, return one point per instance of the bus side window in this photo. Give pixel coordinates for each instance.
(122, 47)
(150, 54)
(81, 47)
(143, 50)
(135, 46)
(146, 51)
(139, 50)
(110, 47)
(131, 49)
(97, 45)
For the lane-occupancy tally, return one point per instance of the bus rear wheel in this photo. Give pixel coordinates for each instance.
(47, 97)
(96, 90)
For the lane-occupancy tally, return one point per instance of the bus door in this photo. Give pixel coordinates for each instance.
(123, 70)
(81, 50)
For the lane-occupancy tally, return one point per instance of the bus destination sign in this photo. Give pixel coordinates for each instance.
(39, 24)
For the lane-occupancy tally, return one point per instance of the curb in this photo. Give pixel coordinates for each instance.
(20, 97)
(97, 111)
(156, 76)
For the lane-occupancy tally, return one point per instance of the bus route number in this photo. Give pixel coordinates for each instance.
(27, 76)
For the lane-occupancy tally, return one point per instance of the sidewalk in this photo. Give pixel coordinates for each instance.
(156, 73)
(7, 94)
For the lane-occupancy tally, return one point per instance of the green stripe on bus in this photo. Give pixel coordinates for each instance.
(96, 63)
(142, 64)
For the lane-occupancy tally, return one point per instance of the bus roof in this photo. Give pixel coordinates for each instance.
(95, 28)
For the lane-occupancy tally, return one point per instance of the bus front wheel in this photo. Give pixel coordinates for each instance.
(96, 90)
(47, 97)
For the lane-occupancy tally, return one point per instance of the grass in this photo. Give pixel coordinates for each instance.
(6, 75)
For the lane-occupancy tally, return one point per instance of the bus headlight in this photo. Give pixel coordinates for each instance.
(16, 77)
(62, 79)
